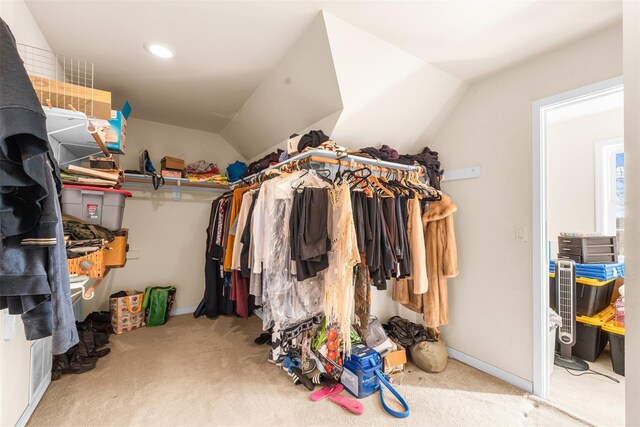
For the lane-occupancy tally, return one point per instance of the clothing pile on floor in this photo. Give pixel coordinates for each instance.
(317, 356)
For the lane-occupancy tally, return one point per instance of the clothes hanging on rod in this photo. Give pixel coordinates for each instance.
(442, 264)
(215, 301)
(304, 245)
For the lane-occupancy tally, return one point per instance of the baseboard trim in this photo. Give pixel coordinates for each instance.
(183, 310)
(505, 376)
(26, 415)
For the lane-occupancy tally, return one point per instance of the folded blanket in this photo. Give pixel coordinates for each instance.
(601, 272)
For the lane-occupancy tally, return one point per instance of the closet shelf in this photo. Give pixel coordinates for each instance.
(72, 136)
(133, 180)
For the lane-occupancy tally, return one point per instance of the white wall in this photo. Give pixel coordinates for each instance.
(491, 302)
(24, 28)
(170, 235)
(632, 207)
(571, 169)
(389, 96)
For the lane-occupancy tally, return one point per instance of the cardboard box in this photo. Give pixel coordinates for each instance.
(172, 163)
(167, 173)
(93, 102)
(114, 130)
(394, 362)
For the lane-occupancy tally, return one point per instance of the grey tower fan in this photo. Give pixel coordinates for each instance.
(566, 299)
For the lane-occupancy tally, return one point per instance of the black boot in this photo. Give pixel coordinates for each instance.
(100, 338)
(100, 321)
(70, 362)
(87, 344)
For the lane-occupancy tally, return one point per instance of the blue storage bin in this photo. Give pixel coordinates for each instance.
(359, 377)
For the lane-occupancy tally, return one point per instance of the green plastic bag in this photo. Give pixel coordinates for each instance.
(157, 304)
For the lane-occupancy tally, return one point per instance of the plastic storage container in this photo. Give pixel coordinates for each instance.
(592, 295)
(95, 205)
(359, 376)
(616, 343)
(590, 338)
(589, 250)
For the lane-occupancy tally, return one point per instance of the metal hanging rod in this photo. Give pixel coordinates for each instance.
(325, 156)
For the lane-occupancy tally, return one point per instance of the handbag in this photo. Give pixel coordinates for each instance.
(126, 311)
(157, 304)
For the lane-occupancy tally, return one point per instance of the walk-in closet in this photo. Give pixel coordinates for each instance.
(237, 213)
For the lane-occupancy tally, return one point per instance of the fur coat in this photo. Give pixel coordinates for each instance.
(442, 263)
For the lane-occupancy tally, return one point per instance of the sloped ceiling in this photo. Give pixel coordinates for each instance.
(227, 49)
(301, 90)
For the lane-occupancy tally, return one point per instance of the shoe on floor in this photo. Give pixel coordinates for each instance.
(297, 372)
(71, 362)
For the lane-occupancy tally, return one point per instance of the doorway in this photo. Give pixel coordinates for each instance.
(578, 187)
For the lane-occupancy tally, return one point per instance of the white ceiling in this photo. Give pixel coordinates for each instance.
(226, 49)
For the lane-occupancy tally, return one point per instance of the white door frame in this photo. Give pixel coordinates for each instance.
(540, 218)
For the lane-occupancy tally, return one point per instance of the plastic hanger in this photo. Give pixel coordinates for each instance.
(384, 191)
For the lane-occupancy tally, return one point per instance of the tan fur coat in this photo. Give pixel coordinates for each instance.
(442, 263)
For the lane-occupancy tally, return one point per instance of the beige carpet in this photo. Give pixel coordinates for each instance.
(209, 372)
(597, 399)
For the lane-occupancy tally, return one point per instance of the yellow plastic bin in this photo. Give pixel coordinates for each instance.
(616, 342)
(590, 338)
(592, 296)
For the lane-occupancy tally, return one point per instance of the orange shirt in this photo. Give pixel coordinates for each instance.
(235, 209)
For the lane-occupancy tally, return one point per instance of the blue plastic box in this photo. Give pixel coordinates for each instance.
(359, 376)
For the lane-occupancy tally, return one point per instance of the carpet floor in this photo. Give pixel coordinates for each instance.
(196, 372)
(597, 399)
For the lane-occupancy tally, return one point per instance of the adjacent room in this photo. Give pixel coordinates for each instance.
(585, 178)
(317, 212)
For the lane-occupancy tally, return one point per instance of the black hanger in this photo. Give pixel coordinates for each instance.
(359, 178)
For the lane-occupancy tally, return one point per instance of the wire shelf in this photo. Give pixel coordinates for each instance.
(60, 81)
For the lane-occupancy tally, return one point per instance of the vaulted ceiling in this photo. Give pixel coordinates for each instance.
(227, 49)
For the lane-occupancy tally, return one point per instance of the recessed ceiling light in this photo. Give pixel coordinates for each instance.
(160, 50)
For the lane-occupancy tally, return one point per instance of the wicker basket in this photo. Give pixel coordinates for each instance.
(96, 271)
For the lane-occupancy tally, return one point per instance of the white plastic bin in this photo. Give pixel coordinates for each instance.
(95, 205)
